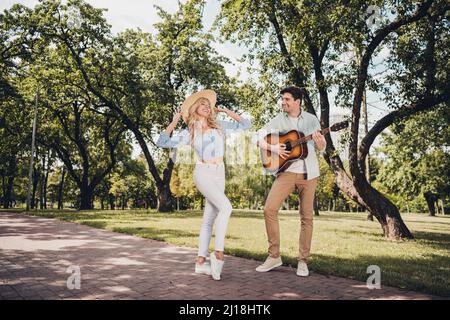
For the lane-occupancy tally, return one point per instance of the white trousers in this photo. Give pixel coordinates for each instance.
(210, 181)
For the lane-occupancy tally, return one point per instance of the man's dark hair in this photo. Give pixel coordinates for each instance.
(295, 91)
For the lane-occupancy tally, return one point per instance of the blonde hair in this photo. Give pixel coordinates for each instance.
(193, 117)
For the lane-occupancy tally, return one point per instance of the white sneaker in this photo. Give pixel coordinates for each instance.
(216, 266)
(204, 268)
(302, 269)
(269, 264)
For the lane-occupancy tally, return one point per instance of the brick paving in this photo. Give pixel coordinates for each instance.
(35, 253)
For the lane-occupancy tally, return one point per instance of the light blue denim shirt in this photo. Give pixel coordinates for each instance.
(208, 145)
(307, 123)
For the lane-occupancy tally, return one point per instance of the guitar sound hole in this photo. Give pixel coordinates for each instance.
(288, 146)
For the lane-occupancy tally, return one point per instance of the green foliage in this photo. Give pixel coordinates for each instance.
(417, 157)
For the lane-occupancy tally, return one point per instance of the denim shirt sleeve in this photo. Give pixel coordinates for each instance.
(229, 126)
(165, 141)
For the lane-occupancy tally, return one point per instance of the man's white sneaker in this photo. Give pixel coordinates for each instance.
(269, 264)
(302, 269)
(216, 266)
(204, 268)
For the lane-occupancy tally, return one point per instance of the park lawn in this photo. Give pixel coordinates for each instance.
(344, 244)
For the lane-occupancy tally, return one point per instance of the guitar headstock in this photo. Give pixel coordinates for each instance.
(339, 126)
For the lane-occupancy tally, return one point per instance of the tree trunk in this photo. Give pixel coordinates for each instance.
(111, 201)
(36, 175)
(316, 207)
(343, 181)
(41, 191)
(165, 200)
(41, 184)
(60, 189)
(377, 204)
(47, 172)
(8, 190)
(86, 198)
(2, 198)
(431, 200)
(8, 195)
(385, 212)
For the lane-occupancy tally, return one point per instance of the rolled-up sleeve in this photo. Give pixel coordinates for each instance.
(165, 141)
(272, 127)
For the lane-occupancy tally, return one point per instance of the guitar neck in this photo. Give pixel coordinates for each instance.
(309, 137)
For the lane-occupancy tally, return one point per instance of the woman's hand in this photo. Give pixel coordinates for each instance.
(229, 113)
(177, 116)
(222, 109)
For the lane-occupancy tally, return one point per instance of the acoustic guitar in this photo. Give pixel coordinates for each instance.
(296, 143)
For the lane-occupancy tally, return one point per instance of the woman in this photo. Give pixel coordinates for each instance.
(206, 135)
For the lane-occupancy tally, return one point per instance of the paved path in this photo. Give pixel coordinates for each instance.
(36, 252)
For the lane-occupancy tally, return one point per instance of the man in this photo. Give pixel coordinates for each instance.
(301, 175)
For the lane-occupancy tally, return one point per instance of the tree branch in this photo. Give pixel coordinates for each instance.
(64, 155)
(402, 113)
(297, 72)
(362, 77)
(125, 119)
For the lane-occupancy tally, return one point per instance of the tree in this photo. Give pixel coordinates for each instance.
(183, 186)
(417, 159)
(130, 181)
(303, 42)
(15, 135)
(139, 79)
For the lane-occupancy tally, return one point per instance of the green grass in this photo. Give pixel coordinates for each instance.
(344, 244)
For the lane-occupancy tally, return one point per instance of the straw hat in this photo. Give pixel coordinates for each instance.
(187, 104)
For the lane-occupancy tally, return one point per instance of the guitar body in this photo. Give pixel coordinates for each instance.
(274, 164)
(296, 143)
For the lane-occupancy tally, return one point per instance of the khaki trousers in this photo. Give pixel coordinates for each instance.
(283, 186)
